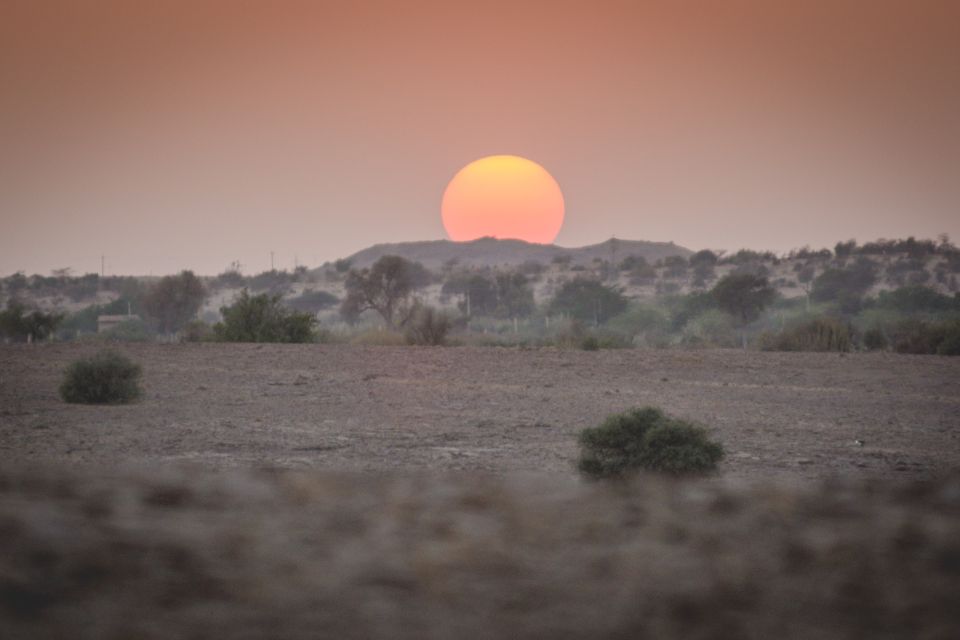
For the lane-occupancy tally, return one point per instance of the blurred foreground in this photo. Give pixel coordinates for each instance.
(175, 553)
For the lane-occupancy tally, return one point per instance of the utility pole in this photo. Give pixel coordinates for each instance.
(103, 265)
(271, 261)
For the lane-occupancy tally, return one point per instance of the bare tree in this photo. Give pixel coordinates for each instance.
(387, 288)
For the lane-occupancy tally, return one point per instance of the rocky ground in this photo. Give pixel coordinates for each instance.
(272, 491)
(345, 407)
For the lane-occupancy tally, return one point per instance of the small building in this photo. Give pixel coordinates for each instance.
(105, 323)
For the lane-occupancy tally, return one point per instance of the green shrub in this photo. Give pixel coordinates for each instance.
(646, 439)
(262, 318)
(820, 334)
(106, 378)
(428, 326)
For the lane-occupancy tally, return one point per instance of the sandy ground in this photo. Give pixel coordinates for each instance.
(372, 492)
(344, 407)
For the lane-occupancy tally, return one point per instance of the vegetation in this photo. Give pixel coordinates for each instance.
(387, 288)
(820, 334)
(428, 327)
(262, 318)
(19, 325)
(646, 439)
(175, 301)
(588, 301)
(743, 296)
(106, 378)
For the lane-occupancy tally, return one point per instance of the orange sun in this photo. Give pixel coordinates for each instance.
(503, 197)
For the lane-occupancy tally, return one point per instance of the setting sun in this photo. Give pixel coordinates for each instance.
(503, 197)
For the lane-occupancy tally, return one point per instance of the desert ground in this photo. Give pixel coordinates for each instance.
(337, 491)
(346, 407)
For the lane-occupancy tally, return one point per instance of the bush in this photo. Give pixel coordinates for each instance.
(428, 326)
(646, 439)
(920, 337)
(133, 330)
(820, 334)
(262, 318)
(874, 339)
(106, 378)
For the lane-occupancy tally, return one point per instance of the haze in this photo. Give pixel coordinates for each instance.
(191, 134)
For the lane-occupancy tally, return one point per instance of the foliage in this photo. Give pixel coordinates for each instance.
(86, 319)
(19, 325)
(262, 318)
(386, 288)
(914, 335)
(588, 301)
(743, 296)
(428, 326)
(646, 439)
(874, 339)
(712, 328)
(476, 288)
(106, 378)
(312, 301)
(917, 298)
(133, 330)
(845, 286)
(704, 257)
(819, 334)
(514, 296)
(174, 301)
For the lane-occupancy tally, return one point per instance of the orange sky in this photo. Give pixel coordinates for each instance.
(182, 134)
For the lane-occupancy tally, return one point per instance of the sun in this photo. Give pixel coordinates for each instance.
(503, 197)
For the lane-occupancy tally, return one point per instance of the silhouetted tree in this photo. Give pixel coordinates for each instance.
(588, 300)
(19, 325)
(386, 287)
(175, 301)
(744, 296)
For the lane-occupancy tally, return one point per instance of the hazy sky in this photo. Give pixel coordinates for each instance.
(188, 134)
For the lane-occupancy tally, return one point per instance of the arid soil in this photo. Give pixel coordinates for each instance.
(417, 493)
(346, 407)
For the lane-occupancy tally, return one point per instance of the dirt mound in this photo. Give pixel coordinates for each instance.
(175, 553)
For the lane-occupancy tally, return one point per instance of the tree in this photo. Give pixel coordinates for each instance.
(479, 293)
(386, 287)
(262, 318)
(19, 325)
(743, 296)
(845, 286)
(175, 301)
(514, 296)
(588, 300)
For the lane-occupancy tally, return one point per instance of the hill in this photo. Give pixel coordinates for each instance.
(491, 252)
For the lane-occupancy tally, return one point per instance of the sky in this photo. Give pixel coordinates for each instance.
(191, 134)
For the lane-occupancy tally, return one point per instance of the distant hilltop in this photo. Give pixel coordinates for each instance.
(493, 252)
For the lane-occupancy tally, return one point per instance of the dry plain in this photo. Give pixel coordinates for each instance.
(344, 407)
(334, 491)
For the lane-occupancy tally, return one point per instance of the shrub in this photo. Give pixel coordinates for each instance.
(646, 439)
(133, 330)
(590, 343)
(918, 336)
(106, 378)
(428, 326)
(820, 334)
(874, 339)
(262, 318)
